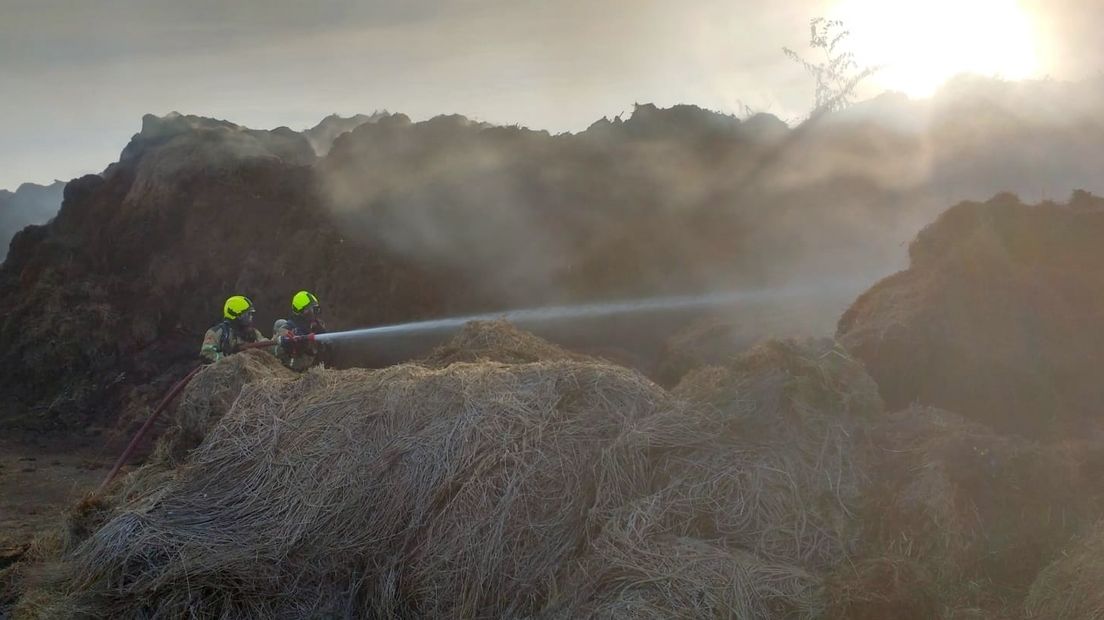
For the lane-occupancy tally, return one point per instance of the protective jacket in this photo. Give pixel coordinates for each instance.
(297, 356)
(226, 339)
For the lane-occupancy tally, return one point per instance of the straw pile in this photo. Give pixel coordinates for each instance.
(780, 472)
(996, 318)
(980, 514)
(880, 588)
(772, 486)
(10, 574)
(553, 489)
(635, 572)
(208, 397)
(496, 341)
(1072, 588)
(403, 491)
(756, 503)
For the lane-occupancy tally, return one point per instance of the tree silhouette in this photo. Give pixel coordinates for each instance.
(837, 74)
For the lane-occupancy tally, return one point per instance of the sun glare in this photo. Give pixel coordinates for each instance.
(921, 43)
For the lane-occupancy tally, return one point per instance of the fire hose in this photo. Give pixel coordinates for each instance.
(171, 395)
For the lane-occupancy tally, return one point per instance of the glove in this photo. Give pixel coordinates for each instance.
(287, 343)
(292, 344)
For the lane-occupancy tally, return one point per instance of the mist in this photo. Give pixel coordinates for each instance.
(684, 200)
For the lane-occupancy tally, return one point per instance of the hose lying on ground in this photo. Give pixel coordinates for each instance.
(171, 395)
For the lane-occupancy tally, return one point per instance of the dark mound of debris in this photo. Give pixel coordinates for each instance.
(997, 318)
(963, 515)
(322, 136)
(28, 204)
(106, 305)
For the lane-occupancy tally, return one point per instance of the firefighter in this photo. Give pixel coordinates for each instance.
(295, 347)
(233, 332)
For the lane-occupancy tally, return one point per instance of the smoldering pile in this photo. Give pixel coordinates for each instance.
(996, 319)
(503, 476)
(557, 487)
(958, 521)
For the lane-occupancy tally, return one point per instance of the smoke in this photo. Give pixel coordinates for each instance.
(173, 148)
(1070, 33)
(452, 194)
(683, 201)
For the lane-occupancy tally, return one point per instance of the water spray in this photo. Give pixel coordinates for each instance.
(526, 317)
(654, 305)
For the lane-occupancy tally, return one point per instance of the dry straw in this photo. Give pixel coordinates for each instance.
(559, 488)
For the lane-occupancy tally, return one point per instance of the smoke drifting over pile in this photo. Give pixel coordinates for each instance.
(405, 220)
(683, 200)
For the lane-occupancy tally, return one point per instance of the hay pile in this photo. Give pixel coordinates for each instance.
(455, 492)
(11, 558)
(38, 558)
(754, 506)
(717, 339)
(705, 342)
(997, 318)
(1072, 588)
(639, 571)
(208, 397)
(555, 488)
(780, 473)
(880, 588)
(496, 341)
(772, 486)
(976, 514)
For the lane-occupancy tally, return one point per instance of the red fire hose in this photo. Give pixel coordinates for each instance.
(173, 392)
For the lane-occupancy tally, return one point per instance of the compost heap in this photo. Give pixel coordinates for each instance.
(557, 487)
(998, 318)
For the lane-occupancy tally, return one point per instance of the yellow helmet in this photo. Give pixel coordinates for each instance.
(236, 306)
(303, 300)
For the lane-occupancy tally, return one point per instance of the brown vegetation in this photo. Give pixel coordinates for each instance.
(976, 515)
(511, 477)
(1070, 588)
(998, 318)
(554, 486)
(496, 341)
(209, 396)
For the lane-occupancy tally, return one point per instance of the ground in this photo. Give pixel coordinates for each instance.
(40, 481)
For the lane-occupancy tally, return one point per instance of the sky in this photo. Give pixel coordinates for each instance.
(76, 77)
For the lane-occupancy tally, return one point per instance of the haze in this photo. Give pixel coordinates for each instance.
(78, 76)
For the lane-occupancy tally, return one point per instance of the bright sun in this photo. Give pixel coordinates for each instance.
(921, 43)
